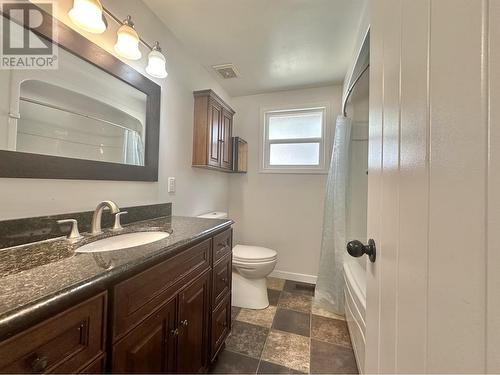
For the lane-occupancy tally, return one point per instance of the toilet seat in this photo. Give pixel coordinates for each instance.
(251, 266)
(244, 254)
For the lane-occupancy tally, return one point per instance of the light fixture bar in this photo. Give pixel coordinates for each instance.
(120, 22)
(91, 16)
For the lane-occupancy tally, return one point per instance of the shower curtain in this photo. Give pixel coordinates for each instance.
(133, 150)
(330, 284)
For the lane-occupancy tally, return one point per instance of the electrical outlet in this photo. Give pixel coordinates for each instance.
(171, 184)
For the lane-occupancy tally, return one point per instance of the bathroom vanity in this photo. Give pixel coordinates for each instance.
(161, 307)
(152, 306)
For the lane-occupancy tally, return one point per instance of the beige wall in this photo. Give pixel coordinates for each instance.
(280, 211)
(433, 293)
(197, 190)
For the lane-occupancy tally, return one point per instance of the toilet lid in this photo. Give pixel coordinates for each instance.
(253, 254)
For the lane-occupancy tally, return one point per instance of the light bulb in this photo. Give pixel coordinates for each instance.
(127, 43)
(156, 63)
(87, 15)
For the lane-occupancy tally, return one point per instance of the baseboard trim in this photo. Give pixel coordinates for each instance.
(294, 276)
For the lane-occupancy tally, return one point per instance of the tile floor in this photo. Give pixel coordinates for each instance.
(291, 336)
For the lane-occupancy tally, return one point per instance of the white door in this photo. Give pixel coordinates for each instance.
(433, 295)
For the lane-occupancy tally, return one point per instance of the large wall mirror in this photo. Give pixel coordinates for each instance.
(93, 117)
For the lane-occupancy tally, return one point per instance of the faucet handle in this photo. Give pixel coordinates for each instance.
(118, 225)
(74, 234)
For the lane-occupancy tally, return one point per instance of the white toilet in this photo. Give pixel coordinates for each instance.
(251, 265)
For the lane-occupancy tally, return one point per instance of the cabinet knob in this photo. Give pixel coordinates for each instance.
(184, 322)
(224, 279)
(174, 332)
(39, 364)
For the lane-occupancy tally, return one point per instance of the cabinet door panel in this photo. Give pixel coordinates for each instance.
(214, 137)
(193, 326)
(226, 149)
(149, 348)
(212, 132)
(137, 297)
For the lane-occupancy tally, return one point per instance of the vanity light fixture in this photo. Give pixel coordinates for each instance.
(127, 43)
(156, 62)
(87, 15)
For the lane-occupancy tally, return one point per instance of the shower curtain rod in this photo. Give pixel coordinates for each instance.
(58, 108)
(349, 91)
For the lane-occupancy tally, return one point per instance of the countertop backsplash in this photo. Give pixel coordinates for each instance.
(23, 231)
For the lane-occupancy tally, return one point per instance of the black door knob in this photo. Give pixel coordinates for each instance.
(357, 248)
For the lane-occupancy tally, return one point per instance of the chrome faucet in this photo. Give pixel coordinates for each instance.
(96, 219)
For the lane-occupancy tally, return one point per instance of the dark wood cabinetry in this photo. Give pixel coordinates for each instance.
(96, 367)
(173, 339)
(138, 296)
(222, 245)
(226, 137)
(172, 317)
(221, 291)
(212, 135)
(149, 348)
(66, 343)
(221, 280)
(221, 326)
(193, 326)
(240, 155)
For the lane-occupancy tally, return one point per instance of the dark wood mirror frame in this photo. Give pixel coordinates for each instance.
(27, 165)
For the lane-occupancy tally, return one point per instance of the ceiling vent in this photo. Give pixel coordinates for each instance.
(226, 71)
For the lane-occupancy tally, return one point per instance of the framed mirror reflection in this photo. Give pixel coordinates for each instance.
(90, 117)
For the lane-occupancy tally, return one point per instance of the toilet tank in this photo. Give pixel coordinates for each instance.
(214, 215)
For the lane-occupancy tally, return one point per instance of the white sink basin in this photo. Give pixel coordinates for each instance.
(122, 241)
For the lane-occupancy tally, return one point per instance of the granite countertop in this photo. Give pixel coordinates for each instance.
(36, 279)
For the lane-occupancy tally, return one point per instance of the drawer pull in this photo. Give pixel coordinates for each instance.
(174, 332)
(39, 364)
(84, 334)
(222, 244)
(184, 322)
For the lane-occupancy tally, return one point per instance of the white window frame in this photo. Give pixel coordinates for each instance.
(265, 144)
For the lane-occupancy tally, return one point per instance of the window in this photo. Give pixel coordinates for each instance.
(294, 141)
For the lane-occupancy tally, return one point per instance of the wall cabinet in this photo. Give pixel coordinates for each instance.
(240, 155)
(212, 133)
(173, 317)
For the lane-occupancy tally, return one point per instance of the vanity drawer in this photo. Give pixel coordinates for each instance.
(65, 343)
(223, 244)
(221, 280)
(221, 325)
(135, 298)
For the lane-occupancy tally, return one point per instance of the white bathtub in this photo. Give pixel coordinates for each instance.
(355, 307)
